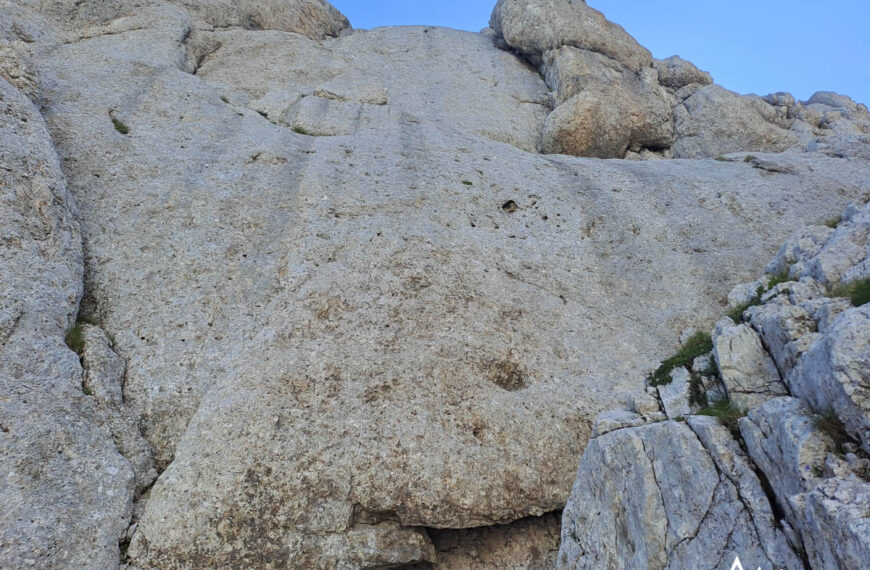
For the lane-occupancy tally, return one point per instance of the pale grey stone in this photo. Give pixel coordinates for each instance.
(784, 443)
(613, 420)
(799, 248)
(642, 403)
(747, 371)
(66, 492)
(836, 533)
(536, 26)
(780, 325)
(676, 73)
(651, 497)
(675, 395)
(744, 293)
(715, 121)
(835, 373)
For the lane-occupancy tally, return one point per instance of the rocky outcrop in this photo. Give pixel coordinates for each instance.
(359, 320)
(66, 492)
(715, 121)
(796, 468)
(612, 100)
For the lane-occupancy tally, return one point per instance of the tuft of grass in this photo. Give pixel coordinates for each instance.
(700, 343)
(857, 291)
(224, 99)
(301, 131)
(468, 182)
(750, 158)
(727, 413)
(697, 395)
(736, 314)
(721, 158)
(829, 424)
(833, 222)
(75, 339)
(264, 114)
(780, 278)
(86, 390)
(120, 126)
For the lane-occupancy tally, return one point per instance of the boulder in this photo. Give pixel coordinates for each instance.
(782, 440)
(652, 497)
(714, 121)
(787, 331)
(604, 108)
(836, 533)
(537, 26)
(749, 374)
(676, 73)
(835, 373)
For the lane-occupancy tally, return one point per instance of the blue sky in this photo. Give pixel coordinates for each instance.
(801, 46)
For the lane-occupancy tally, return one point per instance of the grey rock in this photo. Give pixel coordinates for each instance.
(833, 373)
(65, 491)
(749, 374)
(651, 497)
(744, 293)
(613, 420)
(781, 326)
(715, 121)
(103, 369)
(848, 247)
(605, 108)
(676, 73)
(675, 395)
(784, 443)
(642, 403)
(734, 463)
(330, 322)
(836, 533)
(780, 99)
(527, 544)
(799, 248)
(536, 26)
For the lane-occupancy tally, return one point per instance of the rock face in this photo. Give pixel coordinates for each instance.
(66, 492)
(348, 317)
(612, 100)
(639, 485)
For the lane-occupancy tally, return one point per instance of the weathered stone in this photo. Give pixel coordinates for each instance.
(675, 395)
(651, 497)
(613, 420)
(676, 73)
(836, 532)
(65, 491)
(715, 121)
(848, 246)
(642, 403)
(799, 249)
(604, 107)
(784, 443)
(748, 372)
(528, 544)
(536, 26)
(781, 326)
(835, 373)
(733, 462)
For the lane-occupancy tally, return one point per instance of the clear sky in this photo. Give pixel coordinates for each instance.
(750, 46)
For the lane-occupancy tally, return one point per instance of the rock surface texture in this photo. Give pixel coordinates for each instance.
(333, 308)
(798, 461)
